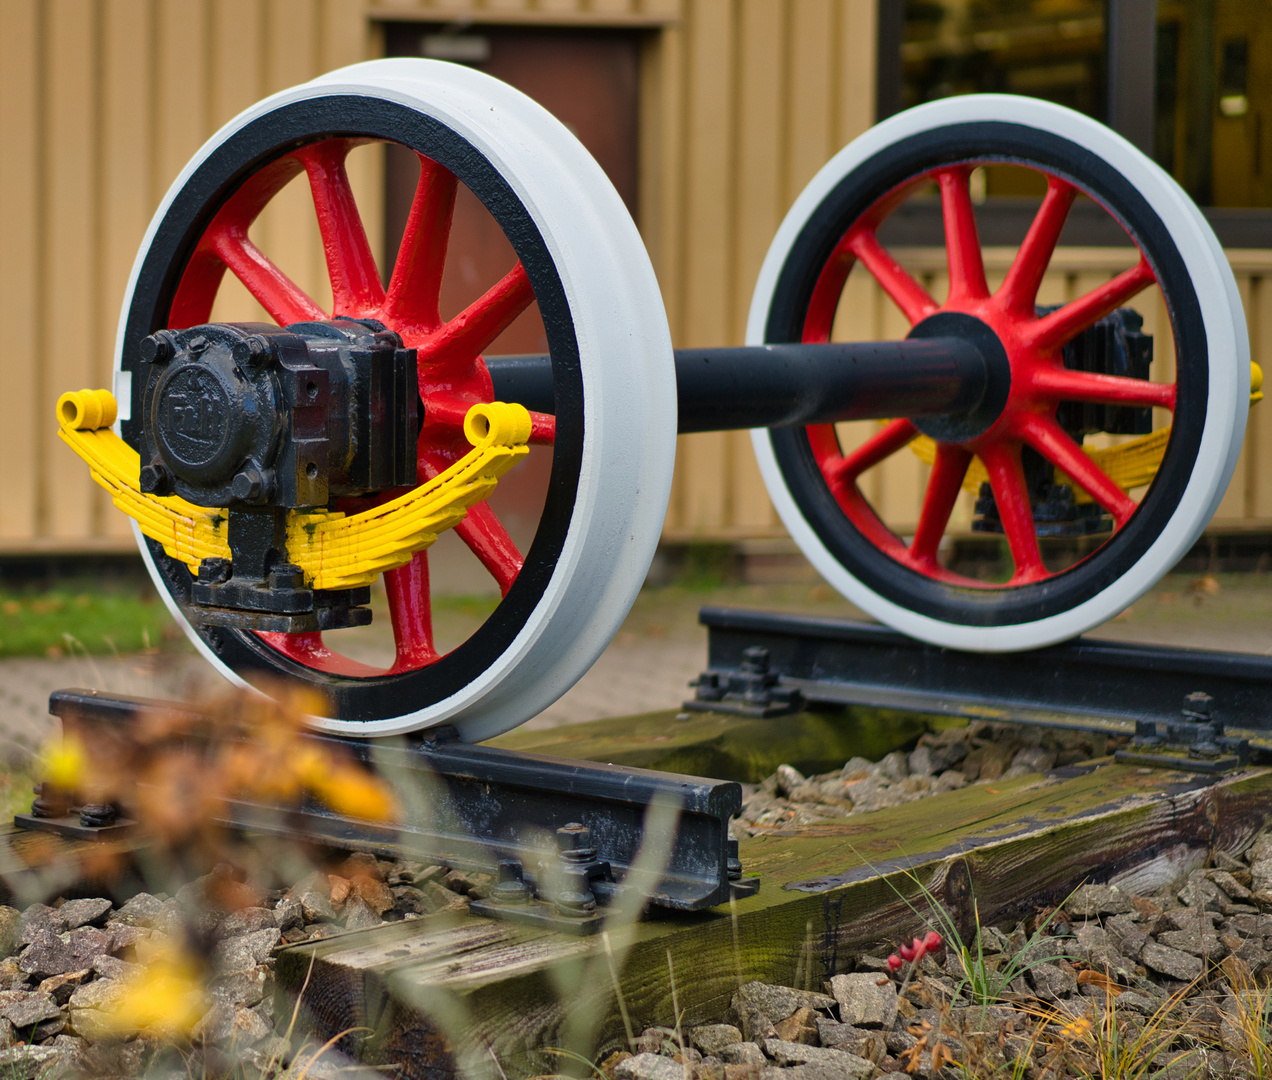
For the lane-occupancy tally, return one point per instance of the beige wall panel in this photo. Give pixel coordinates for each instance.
(810, 101)
(704, 490)
(856, 63)
(1054, 288)
(756, 175)
(661, 161)
(613, 7)
(709, 142)
(753, 510)
(548, 12)
(667, 9)
(127, 200)
(182, 59)
(70, 238)
(347, 35)
(706, 250)
(238, 32)
(20, 272)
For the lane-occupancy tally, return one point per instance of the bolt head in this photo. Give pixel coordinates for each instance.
(1197, 704)
(155, 479)
(253, 354)
(573, 836)
(755, 660)
(246, 486)
(157, 348)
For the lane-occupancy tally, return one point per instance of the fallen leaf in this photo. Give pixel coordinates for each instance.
(1098, 978)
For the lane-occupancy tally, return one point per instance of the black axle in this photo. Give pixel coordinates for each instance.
(793, 385)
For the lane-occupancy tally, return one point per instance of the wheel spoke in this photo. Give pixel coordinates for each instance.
(355, 281)
(885, 442)
(1063, 384)
(309, 650)
(486, 538)
(470, 332)
(1019, 290)
(285, 301)
(1055, 444)
(410, 608)
(1011, 496)
(942, 493)
(1052, 331)
(416, 284)
(962, 244)
(911, 297)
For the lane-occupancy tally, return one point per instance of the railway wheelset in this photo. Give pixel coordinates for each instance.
(274, 471)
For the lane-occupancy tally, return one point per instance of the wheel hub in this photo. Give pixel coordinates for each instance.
(964, 427)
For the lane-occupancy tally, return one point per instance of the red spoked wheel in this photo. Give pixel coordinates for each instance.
(1025, 440)
(203, 232)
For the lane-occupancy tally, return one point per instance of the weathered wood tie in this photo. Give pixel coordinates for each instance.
(444, 993)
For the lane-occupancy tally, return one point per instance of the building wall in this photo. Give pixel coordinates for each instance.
(103, 101)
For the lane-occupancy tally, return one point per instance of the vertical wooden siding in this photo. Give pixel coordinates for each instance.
(103, 101)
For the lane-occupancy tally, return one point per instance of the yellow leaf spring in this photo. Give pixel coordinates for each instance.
(334, 550)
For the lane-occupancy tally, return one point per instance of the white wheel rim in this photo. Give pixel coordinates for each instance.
(627, 371)
(1229, 371)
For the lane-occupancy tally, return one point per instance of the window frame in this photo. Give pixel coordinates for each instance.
(1131, 69)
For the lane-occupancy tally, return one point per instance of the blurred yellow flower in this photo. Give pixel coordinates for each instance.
(167, 997)
(65, 765)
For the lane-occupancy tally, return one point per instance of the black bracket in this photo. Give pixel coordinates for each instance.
(561, 836)
(750, 690)
(1195, 742)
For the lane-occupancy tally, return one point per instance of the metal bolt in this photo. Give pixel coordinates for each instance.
(247, 485)
(155, 479)
(157, 348)
(1197, 706)
(755, 660)
(197, 343)
(49, 801)
(253, 353)
(510, 888)
(575, 898)
(97, 815)
(573, 842)
(734, 863)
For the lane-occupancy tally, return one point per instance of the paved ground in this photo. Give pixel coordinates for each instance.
(651, 660)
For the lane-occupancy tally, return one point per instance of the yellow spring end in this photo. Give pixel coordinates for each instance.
(86, 410)
(497, 423)
(1256, 382)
